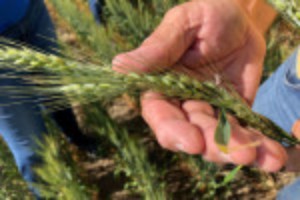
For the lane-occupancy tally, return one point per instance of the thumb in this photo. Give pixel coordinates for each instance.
(166, 45)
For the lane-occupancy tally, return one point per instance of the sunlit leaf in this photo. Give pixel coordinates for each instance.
(231, 175)
(223, 132)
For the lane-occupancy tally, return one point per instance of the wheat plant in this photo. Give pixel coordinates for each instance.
(290, 9)
(132, 156)
(59, 177)
(11, 186)
(84, 83)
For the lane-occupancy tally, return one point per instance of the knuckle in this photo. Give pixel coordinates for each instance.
(198, 106)
(175, 12)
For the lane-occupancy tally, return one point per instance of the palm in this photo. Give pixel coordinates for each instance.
(231, 44)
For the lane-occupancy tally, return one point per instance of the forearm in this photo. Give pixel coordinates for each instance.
(261, 13)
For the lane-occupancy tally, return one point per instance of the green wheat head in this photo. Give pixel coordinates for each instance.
(85, 82)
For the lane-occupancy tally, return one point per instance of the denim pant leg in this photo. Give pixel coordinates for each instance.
(21, 124)
(290, 192)
(95, 7)
(279, 99)
(41, 33)
(19, 128)
(37, 30)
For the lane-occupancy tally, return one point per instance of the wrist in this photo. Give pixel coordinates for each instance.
(261, 13)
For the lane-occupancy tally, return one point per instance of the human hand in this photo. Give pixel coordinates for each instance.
(190, 37)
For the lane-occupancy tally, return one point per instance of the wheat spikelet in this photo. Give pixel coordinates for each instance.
(85, 82)
(290, 9)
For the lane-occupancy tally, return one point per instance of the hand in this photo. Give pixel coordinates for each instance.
(191, 36)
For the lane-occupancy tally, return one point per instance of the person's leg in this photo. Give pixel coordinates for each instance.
(21, 121)
(96, 9)
(21, 125)
(41, 34)
(290, 192)
(279, 99)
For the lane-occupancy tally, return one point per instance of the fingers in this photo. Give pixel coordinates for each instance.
(166, 44)
(271, 155)
(170, 125)
(245, 146)
(191, 128)
(207, 124)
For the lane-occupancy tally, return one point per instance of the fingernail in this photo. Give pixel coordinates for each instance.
(180, 147)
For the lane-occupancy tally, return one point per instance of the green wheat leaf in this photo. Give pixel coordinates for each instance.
(223, 132)
(231, 175)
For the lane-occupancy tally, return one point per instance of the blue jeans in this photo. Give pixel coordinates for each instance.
(279, 97)
(279, 100)
(21, 125)
(96, 9)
